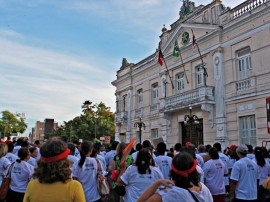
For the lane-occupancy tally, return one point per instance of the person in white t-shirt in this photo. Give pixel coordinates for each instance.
(4, 162)
(214, 171)
(33, 154)
(244, 177)
(85, 171)
(138, 177)
(264, 169)
(17, 146)
(21, 174)
(163, 162)
(10, 156)
(185, 185)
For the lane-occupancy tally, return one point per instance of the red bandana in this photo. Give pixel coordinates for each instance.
(56, 158)
(185, 173)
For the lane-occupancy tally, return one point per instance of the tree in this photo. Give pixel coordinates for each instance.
(11, 123)
(97, 120)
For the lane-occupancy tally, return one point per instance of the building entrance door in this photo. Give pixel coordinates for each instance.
(192, 133)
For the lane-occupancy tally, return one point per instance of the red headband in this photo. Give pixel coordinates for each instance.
(185, 173)
(55, 158)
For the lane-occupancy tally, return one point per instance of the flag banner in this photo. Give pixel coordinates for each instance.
(194, 41)
(160, 58)
(176, 50)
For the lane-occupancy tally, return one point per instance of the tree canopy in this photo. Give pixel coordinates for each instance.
(95, 121)
(11, 123)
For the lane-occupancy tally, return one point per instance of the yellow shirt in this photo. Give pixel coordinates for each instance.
(71, 191)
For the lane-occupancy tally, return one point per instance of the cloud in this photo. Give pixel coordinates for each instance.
(45, 83)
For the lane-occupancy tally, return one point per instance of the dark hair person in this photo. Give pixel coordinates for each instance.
(185, 184)
(139, 176)
(21, 173)
(52, 180)
(86, 172)
(264, 170)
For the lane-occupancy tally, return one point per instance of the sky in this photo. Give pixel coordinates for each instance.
(54, 55)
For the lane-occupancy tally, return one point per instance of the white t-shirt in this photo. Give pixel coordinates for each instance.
(11, 157)
(183, 195)
(251, 156)
(16, 149)
(4, 163)
(214, 171)
(87, 175)
(246, 172)
(200, 171)
(134, 155)
(200, 160)
(77, 153)
(164, 164)
(21, 174)
(32, 161)
(109, 157)
(102, 163)
(226, 161)
(264, 171)
(38, 155)
(136, 183)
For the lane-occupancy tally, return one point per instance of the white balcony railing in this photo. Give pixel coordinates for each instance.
(198, 95)
(121, 117)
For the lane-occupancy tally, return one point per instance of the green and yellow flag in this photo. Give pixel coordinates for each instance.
(176, 50)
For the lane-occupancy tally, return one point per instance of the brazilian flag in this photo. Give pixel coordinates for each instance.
(176, 50)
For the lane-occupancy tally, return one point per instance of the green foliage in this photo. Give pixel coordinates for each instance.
(97, 120)
(11, 123)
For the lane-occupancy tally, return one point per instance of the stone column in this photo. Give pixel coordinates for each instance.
(221, 123)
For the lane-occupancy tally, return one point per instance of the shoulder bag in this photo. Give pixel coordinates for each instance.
(103, 185)
(5, 183)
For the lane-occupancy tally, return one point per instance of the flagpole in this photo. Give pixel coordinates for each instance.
(167, 69)
(183, 67)
(204, 69)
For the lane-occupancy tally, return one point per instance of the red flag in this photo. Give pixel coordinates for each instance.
(194, 42)
(160, 57)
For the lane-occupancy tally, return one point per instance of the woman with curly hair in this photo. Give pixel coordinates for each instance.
(52, 180)
(138, 177)
(185, 185)
(85, 171)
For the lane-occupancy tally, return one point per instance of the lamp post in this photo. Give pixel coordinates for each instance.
(96, 117)
(140, 124)
(190, 119)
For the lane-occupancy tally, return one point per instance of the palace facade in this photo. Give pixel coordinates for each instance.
(224, 82)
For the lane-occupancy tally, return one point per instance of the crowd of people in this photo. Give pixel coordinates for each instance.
(58, 170)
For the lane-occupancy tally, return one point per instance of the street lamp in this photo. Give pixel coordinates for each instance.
(189, 119)
(140, 124)
(96, 117)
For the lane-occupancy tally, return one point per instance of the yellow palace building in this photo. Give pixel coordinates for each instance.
(215, 92)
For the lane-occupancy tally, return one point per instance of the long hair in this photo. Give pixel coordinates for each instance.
(119, 149)
(86, 147)
(184, 161)
(3, 150)
(259, 155)
(143, 161)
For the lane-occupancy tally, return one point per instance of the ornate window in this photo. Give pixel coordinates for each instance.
(154, 133)
(199, 75)
(180, 84)
(124, 104)
(248, 130)
(139, 99)
(154, 93)
(243, 64)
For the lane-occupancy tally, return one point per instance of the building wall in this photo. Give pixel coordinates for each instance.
(220, 103)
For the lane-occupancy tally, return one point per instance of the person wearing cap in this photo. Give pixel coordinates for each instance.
(244, 177)
(185, 185)
(52, 180)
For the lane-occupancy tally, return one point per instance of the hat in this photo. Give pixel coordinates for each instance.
(242, 148)
(232, 147)
(187, 144)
